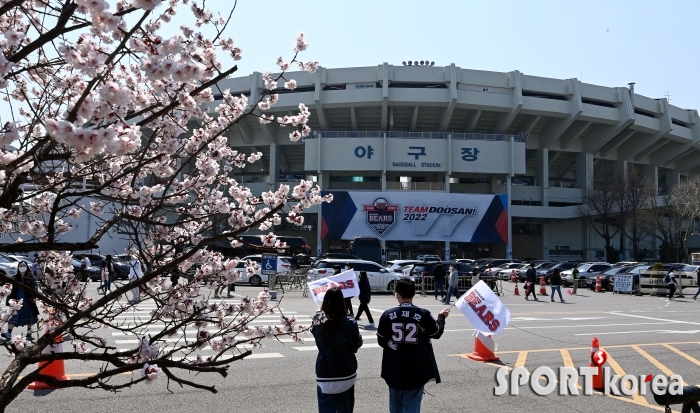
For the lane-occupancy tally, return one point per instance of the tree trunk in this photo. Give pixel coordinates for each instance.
(8, 390)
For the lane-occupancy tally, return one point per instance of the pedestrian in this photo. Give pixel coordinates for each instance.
(555, 283)
(453, 284)
(670, 280)
(365, 297)
(135, 274)
(408, 361)
(337, 340)
(439, 281)
(695, 297)
(219, 288)
(84, 266)
(28, 313)
(106, 274)
(531, 281)
(574, 277)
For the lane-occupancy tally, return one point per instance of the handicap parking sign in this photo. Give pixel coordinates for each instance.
(269, 264)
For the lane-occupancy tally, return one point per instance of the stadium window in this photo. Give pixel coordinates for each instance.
(354, 179)
(543, 95)
(598, 103)
(644, 113)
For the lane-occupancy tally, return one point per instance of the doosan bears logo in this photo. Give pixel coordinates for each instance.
(380, 215)
(324, 287)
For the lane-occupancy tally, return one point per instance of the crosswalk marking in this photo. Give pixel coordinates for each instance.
(254, 356)
(314, 348)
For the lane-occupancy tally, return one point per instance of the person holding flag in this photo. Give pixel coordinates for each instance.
(408, 361)
(337, 339)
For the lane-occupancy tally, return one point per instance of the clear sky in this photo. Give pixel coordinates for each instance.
(608, 43)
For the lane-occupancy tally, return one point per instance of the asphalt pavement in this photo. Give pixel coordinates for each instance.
(641, 335)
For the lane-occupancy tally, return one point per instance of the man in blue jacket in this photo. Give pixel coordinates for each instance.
(408, 361)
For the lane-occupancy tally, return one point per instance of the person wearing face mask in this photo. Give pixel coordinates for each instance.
(28, 314)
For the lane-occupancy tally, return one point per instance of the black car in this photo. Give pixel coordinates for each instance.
(121, 268)
(93, 272)
(336, 256)
(421, 269)
(562, 266)
(606, 277)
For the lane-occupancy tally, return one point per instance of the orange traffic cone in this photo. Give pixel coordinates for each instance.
(516, 292)
(55, 369)
(481, 351)
(598, 285)
(598, 377)
(543, 286)
(512, 276)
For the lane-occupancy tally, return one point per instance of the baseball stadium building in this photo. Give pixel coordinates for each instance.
(460, 162)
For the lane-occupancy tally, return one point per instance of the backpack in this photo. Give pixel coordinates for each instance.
(667, 279)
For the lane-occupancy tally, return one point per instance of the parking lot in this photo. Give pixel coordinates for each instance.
(642, 335)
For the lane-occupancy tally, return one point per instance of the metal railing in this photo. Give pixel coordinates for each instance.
(498, 137)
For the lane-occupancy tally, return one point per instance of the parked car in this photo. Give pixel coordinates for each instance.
(635, 270)
(587, 267)
(284, 265)
(428, 257)
(8, 265)
(607, 277)
(464, 260)
(93, 272)
(508, 269)
(334, 256)
(496, 265)
(380, 278)
(463, 270)
(562, 266)
(394, 265)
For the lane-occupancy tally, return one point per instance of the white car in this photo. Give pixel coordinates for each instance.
(429, 257)
(395, 265)
(8, 266)
(507, 271)
(380, 279)
(464, 260)
(589, 267)
(284, 265)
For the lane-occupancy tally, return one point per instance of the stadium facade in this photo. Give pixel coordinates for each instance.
(468, 163)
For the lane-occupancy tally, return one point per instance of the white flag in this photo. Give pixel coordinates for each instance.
(346, 281)
(483, 309)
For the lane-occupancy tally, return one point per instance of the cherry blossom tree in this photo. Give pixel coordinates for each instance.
(103, 115)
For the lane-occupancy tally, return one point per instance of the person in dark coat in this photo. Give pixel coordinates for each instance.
(365, 297)
(531, 277)
(337, 339)
(28, 314)
(405, 334)
(439, 280)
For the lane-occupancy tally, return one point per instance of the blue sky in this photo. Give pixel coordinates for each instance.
(609, 43)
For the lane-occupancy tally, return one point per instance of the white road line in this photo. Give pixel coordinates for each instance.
(624, 332)
(578, 326)
(653, 318)
(649, 331)
(314, 348)
(252, 356)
